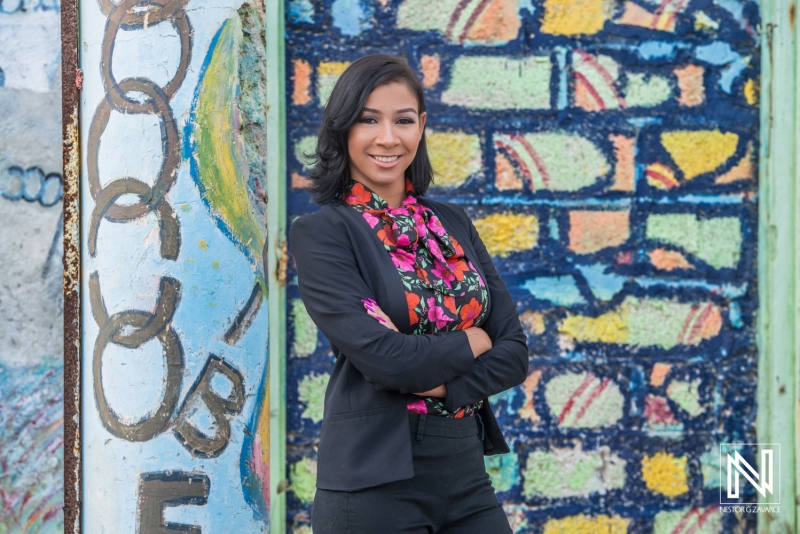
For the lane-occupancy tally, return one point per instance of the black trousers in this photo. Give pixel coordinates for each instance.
(451, 493)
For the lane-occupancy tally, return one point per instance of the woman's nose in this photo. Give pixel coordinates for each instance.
(387, 136)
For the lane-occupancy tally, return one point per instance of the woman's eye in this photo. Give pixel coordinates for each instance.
(368, 120)
(405, 120)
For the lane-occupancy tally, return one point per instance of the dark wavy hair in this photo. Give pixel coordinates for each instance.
(331, 172)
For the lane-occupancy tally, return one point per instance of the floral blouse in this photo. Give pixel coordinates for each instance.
(444, 291)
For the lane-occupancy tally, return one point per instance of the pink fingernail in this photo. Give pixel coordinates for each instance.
(381, 319)
(372, 302)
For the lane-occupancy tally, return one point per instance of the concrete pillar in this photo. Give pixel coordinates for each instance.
(173, 225)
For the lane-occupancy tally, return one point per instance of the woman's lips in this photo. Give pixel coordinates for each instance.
(387, 163)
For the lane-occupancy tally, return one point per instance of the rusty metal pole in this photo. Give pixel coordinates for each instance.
(70, 119)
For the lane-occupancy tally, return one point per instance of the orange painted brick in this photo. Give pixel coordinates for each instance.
(690, 82)
(505, 177)
(302, 82)
(430, 70)
(590, 231)
(668, 260)
(624, 170)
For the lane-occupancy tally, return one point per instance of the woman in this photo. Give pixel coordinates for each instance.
(422, 326)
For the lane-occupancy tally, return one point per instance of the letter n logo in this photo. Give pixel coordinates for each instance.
(762, 480)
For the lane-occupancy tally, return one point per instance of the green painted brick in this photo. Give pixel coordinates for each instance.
(687, 396)
(689, 520)
(646, 93)
(572, 472)
(716, 241)
(311, 391)
(306, 145)
(305, 331)
(303, 478)
(489, 82)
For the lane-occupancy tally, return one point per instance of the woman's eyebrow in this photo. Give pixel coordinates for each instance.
(404, 110)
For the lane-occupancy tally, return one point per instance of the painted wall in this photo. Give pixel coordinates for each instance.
(31, 382)
(175, 414)
(606, 151)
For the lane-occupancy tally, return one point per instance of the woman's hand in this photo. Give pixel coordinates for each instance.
(479, 340)
(375, 311)
(439, 392)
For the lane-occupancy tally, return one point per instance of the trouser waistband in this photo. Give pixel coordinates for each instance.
(445, 427)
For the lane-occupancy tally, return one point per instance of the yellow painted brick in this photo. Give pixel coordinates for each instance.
(665, 473)
(454, 156)
(574, 17)
(332, 68)
(583, 524)
(751, 89)
(697, 152)
(503, 233)
(607, 328)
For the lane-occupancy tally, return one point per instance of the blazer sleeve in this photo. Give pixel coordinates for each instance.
(331, 287)
(505, 365)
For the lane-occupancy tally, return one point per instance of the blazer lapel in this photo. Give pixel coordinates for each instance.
(395, 306)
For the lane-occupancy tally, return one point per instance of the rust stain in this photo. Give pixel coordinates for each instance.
(792, 13)
(283, 259)
(70, 120)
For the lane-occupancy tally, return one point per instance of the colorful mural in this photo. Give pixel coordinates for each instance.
(31, 305)
(32, 445)
(175, 413)
(606, 152)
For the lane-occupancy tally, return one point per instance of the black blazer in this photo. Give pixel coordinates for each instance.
(365, 439)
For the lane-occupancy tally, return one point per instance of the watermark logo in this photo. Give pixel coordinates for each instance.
(736, 473)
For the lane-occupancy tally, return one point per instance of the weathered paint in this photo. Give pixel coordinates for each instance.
(778, 369)
(616, 191)
(572, 472)
(582, 524)
(31, 438)
(177, 279)
(695, 520)
(277, 260)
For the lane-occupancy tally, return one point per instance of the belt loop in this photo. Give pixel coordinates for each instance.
(481, 433)
(421, 427)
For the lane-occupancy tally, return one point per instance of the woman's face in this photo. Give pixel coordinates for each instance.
(383, 142)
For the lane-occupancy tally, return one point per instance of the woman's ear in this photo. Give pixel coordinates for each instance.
(423, 117)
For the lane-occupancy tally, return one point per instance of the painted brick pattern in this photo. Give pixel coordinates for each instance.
(606, 151)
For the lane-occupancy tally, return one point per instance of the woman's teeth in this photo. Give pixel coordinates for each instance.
(386, 159)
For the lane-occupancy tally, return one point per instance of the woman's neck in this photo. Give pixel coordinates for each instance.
(393, 194)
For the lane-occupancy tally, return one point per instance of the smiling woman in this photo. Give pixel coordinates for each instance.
(423, 329)
(373, 129)
(384, 141)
